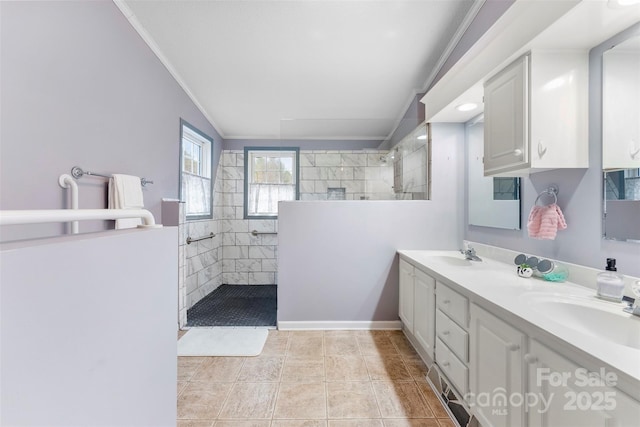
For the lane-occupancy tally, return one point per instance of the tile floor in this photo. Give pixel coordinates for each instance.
(314, 379)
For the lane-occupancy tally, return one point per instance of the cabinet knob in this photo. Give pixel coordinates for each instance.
(445, 364)
(513, 347)
(446, 301)
(530, 359)
(445, 332)
(517, 152)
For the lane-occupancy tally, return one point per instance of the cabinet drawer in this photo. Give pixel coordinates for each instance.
(456, 338)
(452, 367)
(452, 304)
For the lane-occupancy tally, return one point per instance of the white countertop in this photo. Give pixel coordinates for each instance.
(495, 283)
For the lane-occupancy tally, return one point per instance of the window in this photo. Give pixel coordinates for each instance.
(195, 171)
(271, 175)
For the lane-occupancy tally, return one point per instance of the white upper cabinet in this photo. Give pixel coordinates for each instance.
(621, 106)
(536, 112)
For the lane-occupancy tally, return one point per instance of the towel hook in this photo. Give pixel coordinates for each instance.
(552, 190)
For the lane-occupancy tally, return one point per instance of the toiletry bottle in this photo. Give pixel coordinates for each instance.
(610, 283)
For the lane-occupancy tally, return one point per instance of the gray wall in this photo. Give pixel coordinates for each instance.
(88, 330)
(337, 260)
(80, 87)
(580, 198)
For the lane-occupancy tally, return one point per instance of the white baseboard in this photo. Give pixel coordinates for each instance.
(340, 325)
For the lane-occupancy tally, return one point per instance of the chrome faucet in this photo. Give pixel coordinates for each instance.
(470, 254)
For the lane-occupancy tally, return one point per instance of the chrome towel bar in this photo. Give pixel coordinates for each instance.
(77, 172)
(190, 240)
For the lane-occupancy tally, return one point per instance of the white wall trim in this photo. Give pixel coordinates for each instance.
(137, 25)
(340, 325)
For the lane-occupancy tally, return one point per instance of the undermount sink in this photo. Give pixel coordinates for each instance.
(591, 316)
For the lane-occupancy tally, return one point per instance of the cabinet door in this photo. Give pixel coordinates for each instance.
(496, 370)
(506, 110)
(406, 295)
(424, 311)
(565, 394)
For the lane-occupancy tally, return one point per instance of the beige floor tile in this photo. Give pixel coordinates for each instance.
(181, 386)
(387, 368)
(252, 401)
(446, 422)
(261, 369)
(303, 370)
(346, 368)
(355, 423)
(403, 345)
(416, 367)
(341, 345)
(301, 400)
(371, 345)
(201, 400)
(242, 423)
(306, 334)
(351, 400)
(219, 369)
(340, 333)
(401, 400)
(278, 333)
(299, 423)
(195, 423)
(432, 399)
(187, 366)
(411, 422)
(305, 346)
(275, 346)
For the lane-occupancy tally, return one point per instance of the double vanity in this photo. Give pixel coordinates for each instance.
(521, 351)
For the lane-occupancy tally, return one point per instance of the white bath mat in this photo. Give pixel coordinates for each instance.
(222, 342)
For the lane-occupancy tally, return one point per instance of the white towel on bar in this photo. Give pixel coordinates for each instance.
(125, 192)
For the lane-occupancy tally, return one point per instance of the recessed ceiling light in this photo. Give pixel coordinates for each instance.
(467, 107)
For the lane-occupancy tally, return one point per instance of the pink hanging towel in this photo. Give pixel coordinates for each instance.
(545, 221)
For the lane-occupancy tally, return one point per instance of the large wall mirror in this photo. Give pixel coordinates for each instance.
(621, 140)
(493, 202)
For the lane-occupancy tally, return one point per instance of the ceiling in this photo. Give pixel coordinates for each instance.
(303, 69)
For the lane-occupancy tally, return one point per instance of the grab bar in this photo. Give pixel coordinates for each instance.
(190, 240)
(77, 172)
(15, 217)
(256, 232)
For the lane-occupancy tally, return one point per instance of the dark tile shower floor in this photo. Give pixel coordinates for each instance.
(236, 305)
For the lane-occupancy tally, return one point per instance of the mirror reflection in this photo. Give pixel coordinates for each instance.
(621, 140)
(493, 202)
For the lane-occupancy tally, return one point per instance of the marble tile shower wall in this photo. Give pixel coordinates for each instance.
(361, 175)
(200, 265)
(246, 259)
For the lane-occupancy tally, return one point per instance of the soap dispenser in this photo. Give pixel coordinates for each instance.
(610, 283)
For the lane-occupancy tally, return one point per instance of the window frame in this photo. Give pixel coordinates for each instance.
(209, 158)
(247, 151)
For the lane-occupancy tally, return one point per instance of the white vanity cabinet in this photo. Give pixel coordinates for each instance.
(535, 114)
(417, 306)
(567, 394)
(496, 369)
(452, 338)
(405, 310)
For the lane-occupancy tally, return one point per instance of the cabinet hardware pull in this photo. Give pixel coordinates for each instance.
(541, 149)
(445, 332)
(446, 301)
(513, 347)
(517, 152)
(530, 359)
(445, 364)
